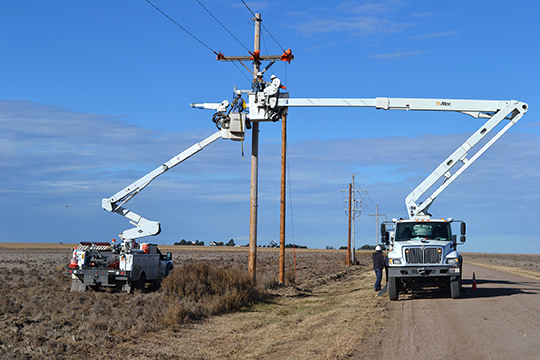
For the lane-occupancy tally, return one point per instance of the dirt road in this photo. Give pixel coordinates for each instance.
(500, 320)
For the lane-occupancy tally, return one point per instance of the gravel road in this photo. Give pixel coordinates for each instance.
(500, 320)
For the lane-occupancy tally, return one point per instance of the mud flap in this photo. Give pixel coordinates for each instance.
(77, 285)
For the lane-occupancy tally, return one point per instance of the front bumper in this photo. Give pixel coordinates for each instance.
(423, 271)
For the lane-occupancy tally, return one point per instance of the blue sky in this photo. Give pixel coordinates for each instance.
(93, 95)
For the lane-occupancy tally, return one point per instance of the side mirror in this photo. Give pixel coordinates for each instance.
(462, 238)
(384, 234)
(463, 229)
(169, 256)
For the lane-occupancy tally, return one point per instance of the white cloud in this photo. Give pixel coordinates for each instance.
(399, 55)
(437, 34)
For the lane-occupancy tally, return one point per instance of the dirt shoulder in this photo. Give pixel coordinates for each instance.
(336, 318)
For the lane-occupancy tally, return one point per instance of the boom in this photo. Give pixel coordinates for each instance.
(494, 111)
(262, 109)
(144, 227)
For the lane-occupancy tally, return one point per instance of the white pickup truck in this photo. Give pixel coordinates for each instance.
(124, 266)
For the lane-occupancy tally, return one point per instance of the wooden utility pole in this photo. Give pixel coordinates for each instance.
(283, 198)
(354, 208)
(348, 261)
(254, 202)
(254, 205)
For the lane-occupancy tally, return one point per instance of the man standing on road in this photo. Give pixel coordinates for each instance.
(378, 265)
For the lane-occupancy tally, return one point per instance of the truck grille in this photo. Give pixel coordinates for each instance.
(416, 255)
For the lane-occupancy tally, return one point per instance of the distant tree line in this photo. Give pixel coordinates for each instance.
(184, 242)
(201, 243)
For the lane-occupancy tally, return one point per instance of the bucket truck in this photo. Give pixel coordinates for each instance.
(129, 264)
(422, 251)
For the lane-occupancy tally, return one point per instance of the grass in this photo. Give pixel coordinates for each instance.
(41, 319)
(201, 289)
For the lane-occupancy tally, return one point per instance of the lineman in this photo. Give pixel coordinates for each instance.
(258, 84)
(378, 266)
(271, 91)
(238, 104)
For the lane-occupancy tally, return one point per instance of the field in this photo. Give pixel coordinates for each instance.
(325, 310)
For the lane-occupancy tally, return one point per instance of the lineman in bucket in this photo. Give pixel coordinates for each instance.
(378, 266)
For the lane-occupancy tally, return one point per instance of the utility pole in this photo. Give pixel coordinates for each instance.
(377, 215)
(257, 58)
(252, 267)
(353, 211)
(348, 261)
(283, 199)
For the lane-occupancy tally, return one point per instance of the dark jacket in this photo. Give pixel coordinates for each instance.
(378, 260)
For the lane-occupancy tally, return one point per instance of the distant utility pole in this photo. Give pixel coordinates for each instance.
(353, 210)
(377, 215)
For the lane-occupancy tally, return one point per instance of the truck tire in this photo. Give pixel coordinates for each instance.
(393, 291)
(168, 269)
(141, 284)
(455, 288)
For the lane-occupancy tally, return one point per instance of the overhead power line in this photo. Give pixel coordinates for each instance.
(208, 11)
(181, 27)
(193, 36)
(264, 27)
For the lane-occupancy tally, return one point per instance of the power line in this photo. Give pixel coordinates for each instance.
(230, 33)
(244, 74)
(269, 33)
(181, 27)
(252, 13)
(264, 27)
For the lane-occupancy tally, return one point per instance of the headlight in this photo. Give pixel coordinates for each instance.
(394, 261)
(452, 261)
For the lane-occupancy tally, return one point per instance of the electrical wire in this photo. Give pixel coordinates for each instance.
(230, 33)
(181, 27)
(243, 73)
(252, 13)
(264, 27)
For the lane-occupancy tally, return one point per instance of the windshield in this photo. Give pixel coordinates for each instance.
(424, 230)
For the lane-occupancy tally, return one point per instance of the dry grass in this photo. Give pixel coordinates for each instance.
(521, 264)
(201, 289)
(40, 318)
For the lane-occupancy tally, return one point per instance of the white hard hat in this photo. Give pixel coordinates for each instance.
(259, 73)
(378, 248)
(273, 77)
(238, 92)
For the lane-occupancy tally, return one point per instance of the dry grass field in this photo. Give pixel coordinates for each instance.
(521, 264)
(325, 310)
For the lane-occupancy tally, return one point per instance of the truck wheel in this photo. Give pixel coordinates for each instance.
(168, 269)
(393, 291)
(141, 284)
(455, 288)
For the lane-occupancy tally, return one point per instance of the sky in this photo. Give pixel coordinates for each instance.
(94, 95)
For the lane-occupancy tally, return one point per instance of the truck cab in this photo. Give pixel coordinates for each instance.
(422, 253)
